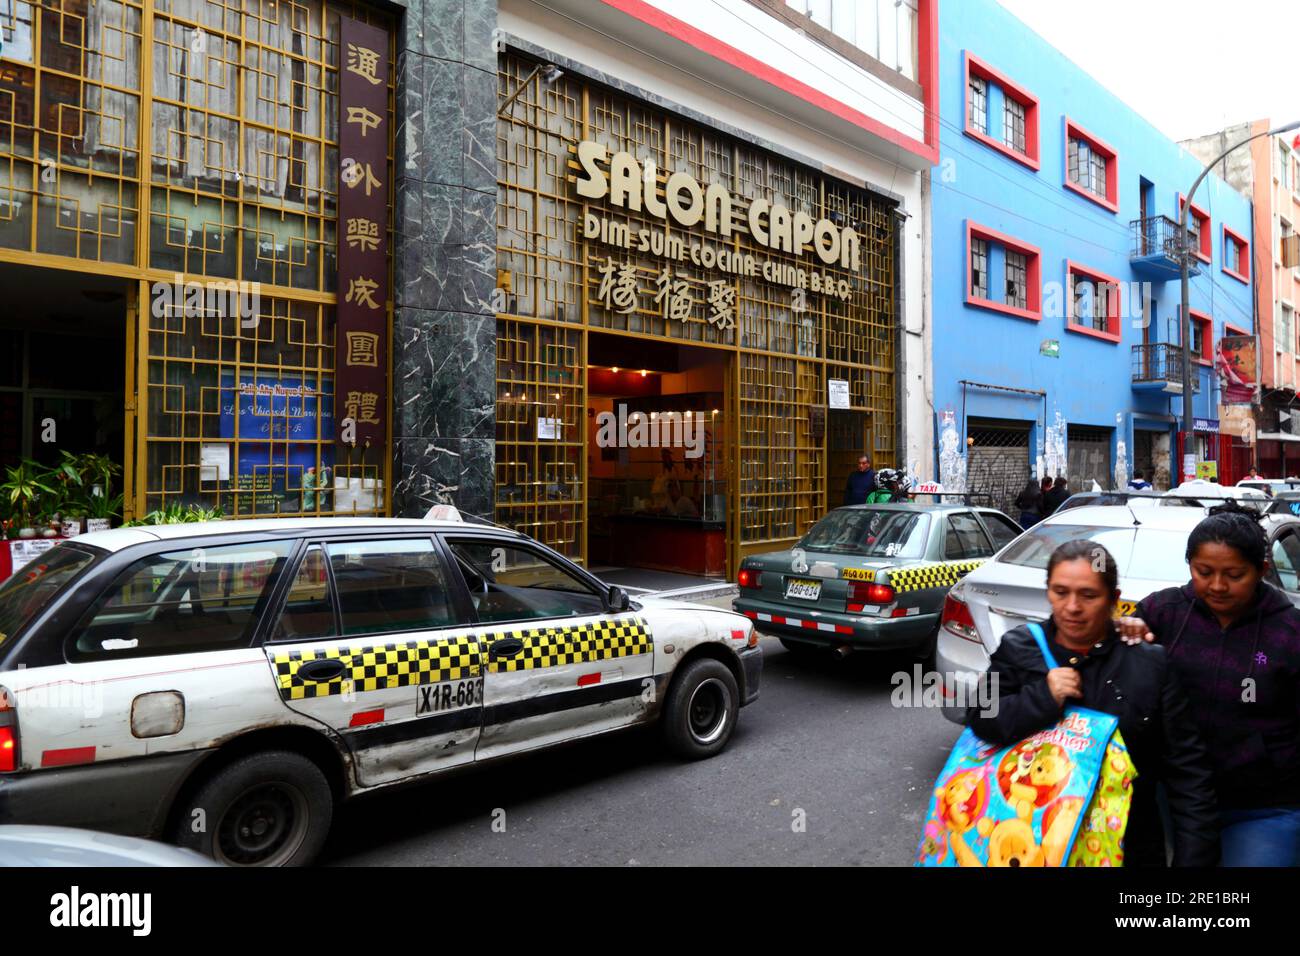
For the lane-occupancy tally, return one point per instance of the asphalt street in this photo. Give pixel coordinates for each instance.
(823, 738)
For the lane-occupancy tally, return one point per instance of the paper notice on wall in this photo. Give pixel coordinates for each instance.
(24, 551)
(358, 495)
(837, 392)
(214, 461)
(548, 429)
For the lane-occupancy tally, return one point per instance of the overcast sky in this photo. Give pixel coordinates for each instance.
(1132, 48)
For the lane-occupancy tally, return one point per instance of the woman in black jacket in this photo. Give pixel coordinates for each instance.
(1101, 672)
(1030, 504)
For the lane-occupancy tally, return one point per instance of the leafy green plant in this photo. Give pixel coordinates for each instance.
(102, 506)
(176, 514)
(25, 486)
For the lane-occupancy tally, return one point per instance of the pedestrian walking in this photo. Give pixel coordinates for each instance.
(1098, 671)
(1235, 641)
(861, 483)
(1030, 503)
(1139, 482)
(1056, 497)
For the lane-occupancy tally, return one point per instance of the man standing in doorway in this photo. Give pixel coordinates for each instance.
(861, 482)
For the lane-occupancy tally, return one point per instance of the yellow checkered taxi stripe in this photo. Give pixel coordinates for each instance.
(920, 577)
(371, 667)
(380, 666)
(572, 644)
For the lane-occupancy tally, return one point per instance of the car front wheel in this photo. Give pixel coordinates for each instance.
(267, 809)
(700, 713)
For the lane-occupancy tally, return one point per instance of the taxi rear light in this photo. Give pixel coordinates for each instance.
(861, 594)
(8, 750)
(957, 620)
(748, 578)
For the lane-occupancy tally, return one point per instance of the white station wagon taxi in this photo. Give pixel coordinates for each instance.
(223, 685)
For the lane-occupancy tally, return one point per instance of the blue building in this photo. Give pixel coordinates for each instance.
(1056, 346)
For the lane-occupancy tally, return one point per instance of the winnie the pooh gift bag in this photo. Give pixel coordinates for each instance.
(1057, 798)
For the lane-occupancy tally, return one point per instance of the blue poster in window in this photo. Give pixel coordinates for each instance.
(278, 419)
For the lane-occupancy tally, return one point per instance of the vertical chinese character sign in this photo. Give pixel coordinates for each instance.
(361, 353)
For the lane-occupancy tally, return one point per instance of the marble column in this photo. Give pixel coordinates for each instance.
(444, 328)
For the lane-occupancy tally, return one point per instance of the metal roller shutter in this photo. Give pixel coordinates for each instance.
(1087, 452)
(997, 464)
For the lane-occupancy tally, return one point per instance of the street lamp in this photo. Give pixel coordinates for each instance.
(1185, 320)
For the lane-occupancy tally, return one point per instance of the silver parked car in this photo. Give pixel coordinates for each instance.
(1010, 589)
(69, 846)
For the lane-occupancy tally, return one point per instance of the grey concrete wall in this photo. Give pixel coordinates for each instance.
(1237, 170)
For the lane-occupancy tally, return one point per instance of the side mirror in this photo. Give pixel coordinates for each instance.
(616, 598)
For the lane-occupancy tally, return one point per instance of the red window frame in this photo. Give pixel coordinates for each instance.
(974, 66)
(1112, 333)
(1033, 273)
(1206, 250)
(1243, 255)
(1206, 322)
(1074, 131)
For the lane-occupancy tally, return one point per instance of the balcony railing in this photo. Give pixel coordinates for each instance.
(1159, 365)
(1155, 248)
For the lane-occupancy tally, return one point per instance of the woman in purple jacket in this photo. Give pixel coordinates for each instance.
(1235, 641)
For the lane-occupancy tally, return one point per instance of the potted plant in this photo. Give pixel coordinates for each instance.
(101, 510)
(23, 486)
(97, 473)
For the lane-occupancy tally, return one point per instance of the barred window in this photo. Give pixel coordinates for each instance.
(1017, 288)
(978, 102)
(1087, 167)
(979, 268)
(1090, 299)
(1013, 124)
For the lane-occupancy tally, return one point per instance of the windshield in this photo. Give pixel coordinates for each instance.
(30, 587)
(1151, 554)
(871, 532)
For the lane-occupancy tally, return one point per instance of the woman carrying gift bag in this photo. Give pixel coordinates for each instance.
(1235, 641)
(1095, 670)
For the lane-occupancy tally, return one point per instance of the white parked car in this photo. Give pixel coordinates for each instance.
(1010, 589)
(1198, 492)
(223, 685)
(1270, 486)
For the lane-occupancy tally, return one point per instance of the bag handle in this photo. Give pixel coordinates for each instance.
(1037, 631)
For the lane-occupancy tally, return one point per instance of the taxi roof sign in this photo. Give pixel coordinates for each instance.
(443, 513)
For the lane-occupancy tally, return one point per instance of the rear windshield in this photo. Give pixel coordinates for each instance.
(1151, 554)
(870, 532)
(31, 587)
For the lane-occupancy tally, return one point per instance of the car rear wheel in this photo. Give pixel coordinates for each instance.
(267, 809)
(700, 713)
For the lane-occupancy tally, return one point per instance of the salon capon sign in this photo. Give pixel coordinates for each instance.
(624, 182)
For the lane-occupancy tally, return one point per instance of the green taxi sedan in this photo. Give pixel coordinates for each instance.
(870, 577)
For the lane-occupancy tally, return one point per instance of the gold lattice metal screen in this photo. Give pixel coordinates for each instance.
(182, 144)
(781, 348)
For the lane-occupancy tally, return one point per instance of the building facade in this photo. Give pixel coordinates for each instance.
(1268, 173)
(710, 244)
(1056, 292)
(576, 267)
